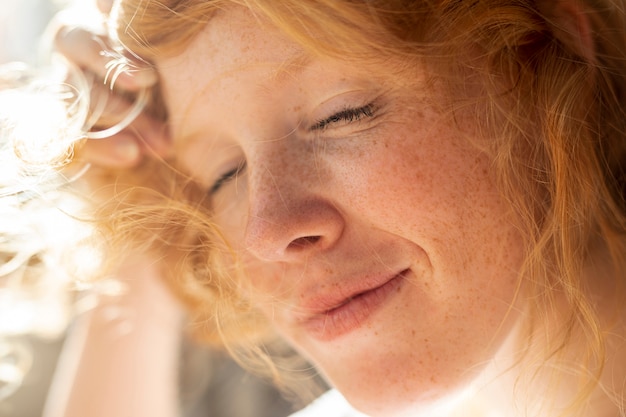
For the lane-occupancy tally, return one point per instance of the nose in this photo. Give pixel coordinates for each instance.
(288, 221)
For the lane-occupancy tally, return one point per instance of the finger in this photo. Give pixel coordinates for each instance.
(92, 53)
(119, 151)
(144, 137)
(151, 133)
(105, 6)
(108, 107)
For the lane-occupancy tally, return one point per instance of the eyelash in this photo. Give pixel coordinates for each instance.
(347, 115)
(226, 177)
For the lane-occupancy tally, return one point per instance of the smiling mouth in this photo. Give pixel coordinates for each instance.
(354, 312)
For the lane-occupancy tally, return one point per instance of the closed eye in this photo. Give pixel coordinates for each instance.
(227, 177)
(347, 115)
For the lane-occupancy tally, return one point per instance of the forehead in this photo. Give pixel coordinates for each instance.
(240, 65)
(233, 42)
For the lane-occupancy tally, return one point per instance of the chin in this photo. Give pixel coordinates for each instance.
(406, 403)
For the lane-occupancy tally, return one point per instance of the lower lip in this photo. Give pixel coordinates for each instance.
(354, 313)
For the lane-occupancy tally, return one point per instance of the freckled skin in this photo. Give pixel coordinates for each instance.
(402, 190)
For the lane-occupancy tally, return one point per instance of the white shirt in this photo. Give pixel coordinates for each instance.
(331, 404)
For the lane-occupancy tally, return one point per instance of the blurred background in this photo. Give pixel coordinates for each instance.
(219, 388)
(22, 23)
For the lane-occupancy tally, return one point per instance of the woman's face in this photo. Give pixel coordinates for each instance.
(370, 229)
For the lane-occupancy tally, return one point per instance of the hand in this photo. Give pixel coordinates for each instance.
(90, 50)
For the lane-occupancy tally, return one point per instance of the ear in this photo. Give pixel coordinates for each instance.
(573, 26)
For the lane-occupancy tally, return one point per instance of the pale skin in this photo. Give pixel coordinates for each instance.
(121, 342)
(397, 199)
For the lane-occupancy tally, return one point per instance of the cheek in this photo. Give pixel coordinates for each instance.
(435, 190)
(421, 179)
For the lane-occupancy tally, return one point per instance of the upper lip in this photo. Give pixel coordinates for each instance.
(326, 298)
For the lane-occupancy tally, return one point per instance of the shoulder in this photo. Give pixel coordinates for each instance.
(331, 404)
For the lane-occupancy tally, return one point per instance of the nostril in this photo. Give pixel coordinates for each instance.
(303, 242)
(292, 229)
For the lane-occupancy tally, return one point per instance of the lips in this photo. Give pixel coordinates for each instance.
(346, 310)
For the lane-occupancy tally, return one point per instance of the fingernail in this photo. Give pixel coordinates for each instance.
(127, 149)
(141, 77)
(105, 6)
